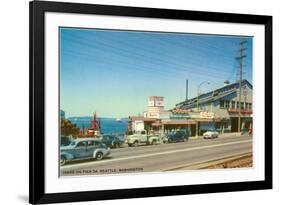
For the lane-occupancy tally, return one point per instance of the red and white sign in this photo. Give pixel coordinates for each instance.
(208, 115)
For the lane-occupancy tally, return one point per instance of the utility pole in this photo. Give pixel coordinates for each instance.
(240, 58)
(198, 90)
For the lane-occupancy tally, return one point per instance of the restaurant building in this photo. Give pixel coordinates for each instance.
(224, 104)
(157, 120)
(216, 110)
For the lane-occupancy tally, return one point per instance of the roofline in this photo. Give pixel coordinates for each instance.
(243, 81)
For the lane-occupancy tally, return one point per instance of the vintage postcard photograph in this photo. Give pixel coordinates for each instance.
(136, 102)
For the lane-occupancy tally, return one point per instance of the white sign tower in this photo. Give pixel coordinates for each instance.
(155, 106)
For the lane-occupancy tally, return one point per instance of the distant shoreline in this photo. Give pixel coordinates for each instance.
(108, 125)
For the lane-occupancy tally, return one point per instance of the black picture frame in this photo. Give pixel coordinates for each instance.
(37, 9)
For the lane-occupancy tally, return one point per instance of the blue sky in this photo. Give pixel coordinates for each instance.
(114, 72)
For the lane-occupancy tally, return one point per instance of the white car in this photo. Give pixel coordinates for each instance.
(210, 134)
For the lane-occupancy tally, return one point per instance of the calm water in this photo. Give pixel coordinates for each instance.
(108, 125)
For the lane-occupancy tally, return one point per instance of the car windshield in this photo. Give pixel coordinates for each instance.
(175, 132)
(72, 143)
(120, 136)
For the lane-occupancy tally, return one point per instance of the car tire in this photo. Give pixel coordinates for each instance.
(99, 156)
(62, 160)
(136, 143)
(153, 142)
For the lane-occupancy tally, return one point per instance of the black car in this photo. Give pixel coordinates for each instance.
(112, 141)
(177, 136)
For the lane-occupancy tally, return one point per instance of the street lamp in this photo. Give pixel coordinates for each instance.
(198, 89)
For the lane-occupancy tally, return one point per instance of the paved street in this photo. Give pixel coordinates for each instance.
(162, 157)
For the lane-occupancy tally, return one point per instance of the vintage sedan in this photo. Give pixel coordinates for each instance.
(210, 134)
(176, 136)
(83, 148)
(112, 141)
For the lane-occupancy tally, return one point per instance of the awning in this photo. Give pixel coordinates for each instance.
(179, 122)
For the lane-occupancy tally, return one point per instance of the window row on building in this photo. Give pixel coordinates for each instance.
(226, 104)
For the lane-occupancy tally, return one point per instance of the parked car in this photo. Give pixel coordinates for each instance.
(112, 141)
(141, 137)
(210, 134)
(177, 136)
(83, 148)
